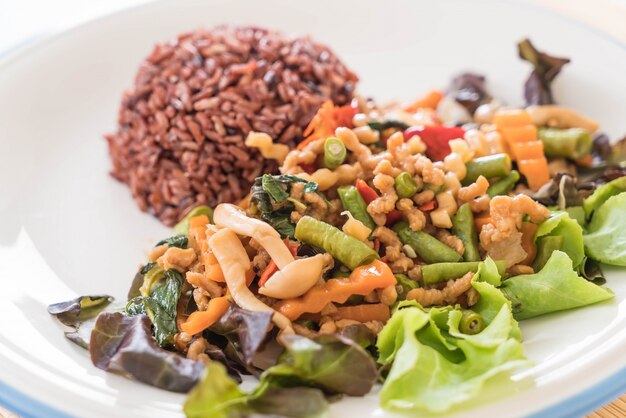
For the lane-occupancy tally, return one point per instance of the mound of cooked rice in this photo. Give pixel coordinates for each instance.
(182, 126)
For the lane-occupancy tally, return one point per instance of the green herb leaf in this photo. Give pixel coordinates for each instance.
(179, 241)
(274, 188)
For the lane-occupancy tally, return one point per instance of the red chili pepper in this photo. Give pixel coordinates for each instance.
(272, 267)
(436, 138)
(377, 245)
(394, 217)
(367, 193)
(428, 206)
(309, 168)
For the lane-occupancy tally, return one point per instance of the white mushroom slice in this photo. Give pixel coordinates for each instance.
(560, 117)
(234, 262)
(297, 278)
(231, 216)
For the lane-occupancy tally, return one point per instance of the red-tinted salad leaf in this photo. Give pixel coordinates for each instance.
(79, 314)
(469, 90)
(537, 89)
(124, 345)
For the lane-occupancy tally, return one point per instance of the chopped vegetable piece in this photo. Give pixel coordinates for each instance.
(405, 185)
(573, 143)
(429, 248)
(504, 185)
(182, 227)
(464, 228)
(406, 284)
(364, 312)
(471, 323)
(429, 101)
(334, 153)
(490, 166)
(348, 250)
(441, 272)
(353, 202)
(436, 139)
(198, 321)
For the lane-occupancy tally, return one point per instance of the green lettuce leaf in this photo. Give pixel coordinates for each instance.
(434, 366)
(556, 287)
(570, 239)
(602, 194)
(606, 240)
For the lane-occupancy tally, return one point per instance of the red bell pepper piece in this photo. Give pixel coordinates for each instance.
(428, 206)
(436, 138)
(369, 194)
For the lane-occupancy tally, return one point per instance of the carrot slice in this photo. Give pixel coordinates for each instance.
(365, 312)
(429, 101)
(512, 117)
(201, 320)
(536, 172)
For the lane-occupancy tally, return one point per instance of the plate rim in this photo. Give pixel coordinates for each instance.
(576, 405)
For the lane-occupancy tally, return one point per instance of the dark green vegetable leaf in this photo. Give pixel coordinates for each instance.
(591, 270)
(388, 124)
(274, 188)
(160, 307)
(556, 287)
(179, 241)
(328, 362)
(563, 191)
(79, 314)
(124, 345)
(537, 89)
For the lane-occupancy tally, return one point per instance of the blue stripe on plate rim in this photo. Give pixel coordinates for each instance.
(573, 407)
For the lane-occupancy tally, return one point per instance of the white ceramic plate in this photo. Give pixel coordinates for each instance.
(67, 228)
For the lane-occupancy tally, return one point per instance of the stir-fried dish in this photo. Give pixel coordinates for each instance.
(397, 243)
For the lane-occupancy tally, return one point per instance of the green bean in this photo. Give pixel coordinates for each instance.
(183, 226)
(429, 248)
(405, 185)
(504, 185)
(442, 272)
(545, 247)
(405, 284)
(334, 152)
(571, 143)
(471, 322)
(463, 227)
(490, 166)
(353, 202)
(348, 250)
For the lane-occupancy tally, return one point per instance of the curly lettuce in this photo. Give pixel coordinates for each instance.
(433, 365)
(605, 240)
(556, 287)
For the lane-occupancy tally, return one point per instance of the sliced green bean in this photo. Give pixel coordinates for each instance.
(353, 202)
(545, 247)
(182, 228)
(405, 285)
(348, 250)
(429, 248)
(571, 143)
(334, 152)
(490, 166)
(442, 272)
(471, 322)
(464, 228)
(504, 185)
(405, 185)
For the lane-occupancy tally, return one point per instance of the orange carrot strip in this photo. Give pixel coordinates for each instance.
(512, 117)
(214, 272)
(536, 172)
(481, 220)
(328, 118)
(364, 313)
(527, 150)
(363, 280)
(272, 268)
(428, 101)
(201, 320)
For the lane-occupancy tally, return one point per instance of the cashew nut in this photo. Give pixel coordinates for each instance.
(560, 117)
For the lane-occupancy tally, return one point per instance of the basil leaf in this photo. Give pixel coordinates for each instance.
(274, 188)
(179, 241)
